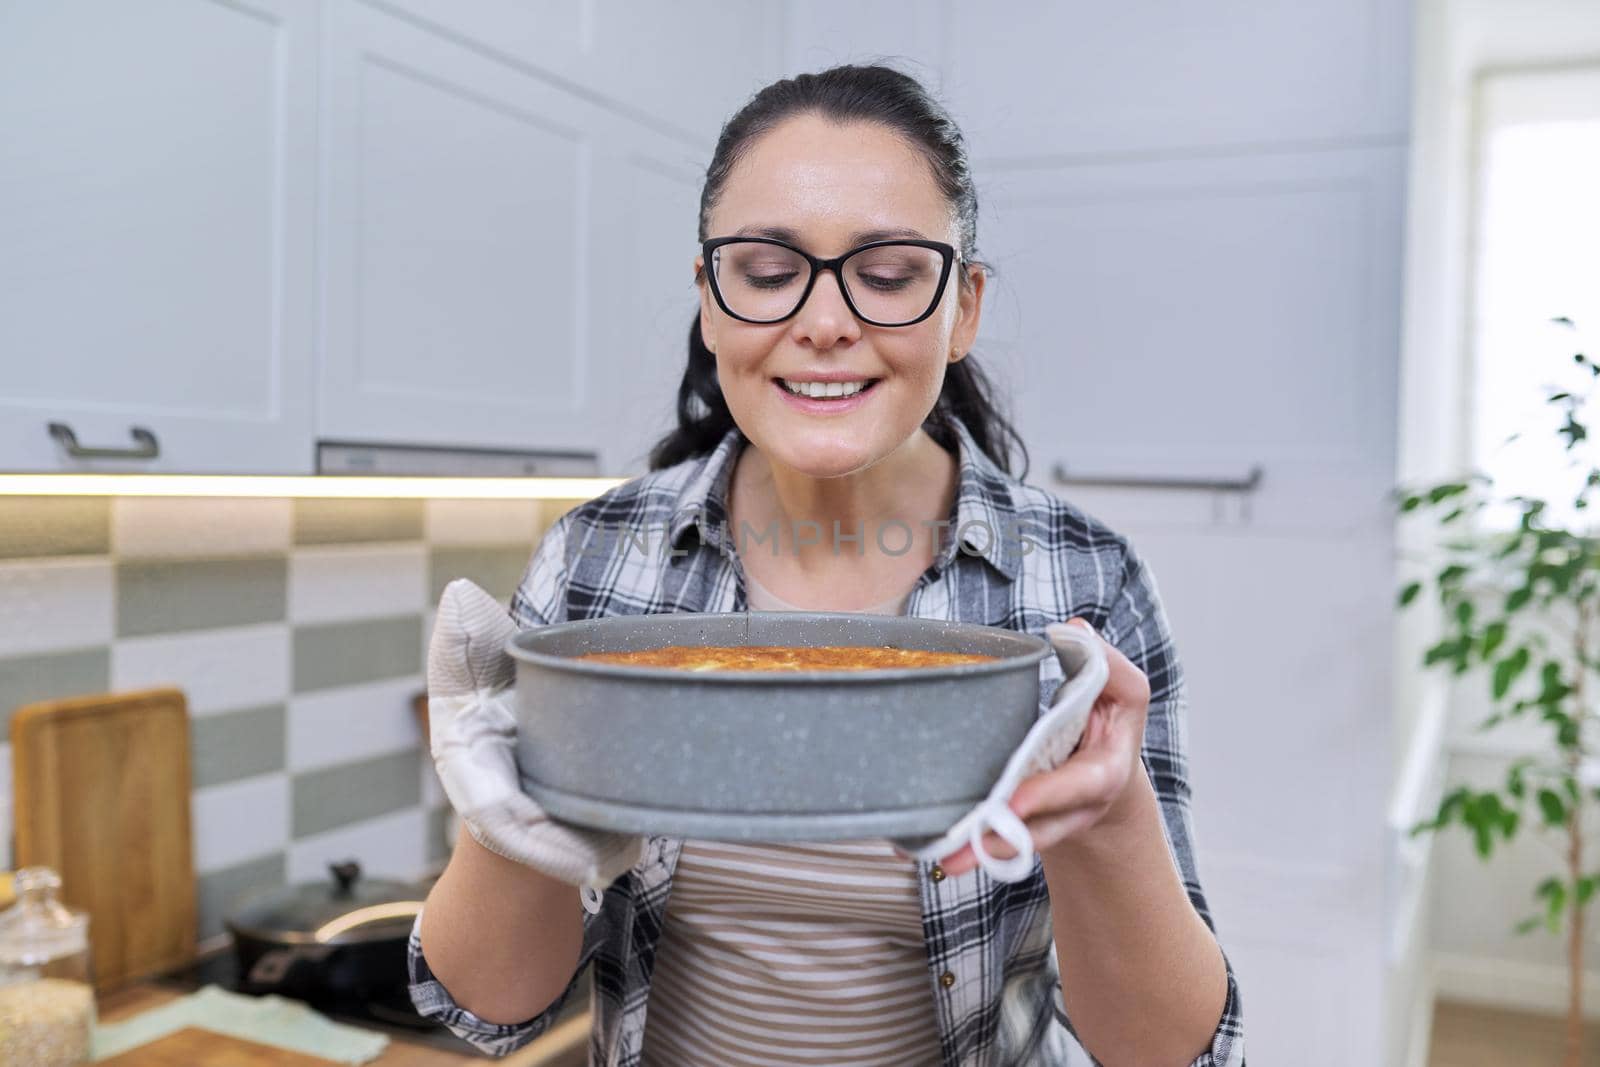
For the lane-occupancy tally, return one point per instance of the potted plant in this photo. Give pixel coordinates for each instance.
(1520, 601)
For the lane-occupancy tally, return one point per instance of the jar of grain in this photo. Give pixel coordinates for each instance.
(46, 994)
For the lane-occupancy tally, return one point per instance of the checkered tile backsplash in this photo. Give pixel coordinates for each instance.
(297, 629)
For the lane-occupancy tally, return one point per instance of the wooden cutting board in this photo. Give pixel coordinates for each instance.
(194, 1047)
(101, 795)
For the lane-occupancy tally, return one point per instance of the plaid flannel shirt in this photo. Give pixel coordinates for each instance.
(1014, 556)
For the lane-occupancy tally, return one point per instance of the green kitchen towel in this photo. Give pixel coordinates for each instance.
(270, 1020)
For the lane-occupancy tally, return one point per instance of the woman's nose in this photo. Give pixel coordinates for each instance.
(825, 319)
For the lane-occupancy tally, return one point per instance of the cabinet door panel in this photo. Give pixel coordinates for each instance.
(1080, 80)
(157, 163)
(656, 221)
(484, 238)
(681, 67)
(1195, 319)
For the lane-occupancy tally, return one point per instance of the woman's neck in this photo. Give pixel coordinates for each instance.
(887, 504)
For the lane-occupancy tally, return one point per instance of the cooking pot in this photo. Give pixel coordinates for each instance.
(337, 944)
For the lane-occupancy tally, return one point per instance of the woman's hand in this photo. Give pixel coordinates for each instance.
(472, 730)
(1091, 789)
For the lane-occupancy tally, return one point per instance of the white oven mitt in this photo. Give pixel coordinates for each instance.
(472, 729)
(1048, 743)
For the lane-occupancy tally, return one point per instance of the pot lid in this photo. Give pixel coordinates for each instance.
(345, 908)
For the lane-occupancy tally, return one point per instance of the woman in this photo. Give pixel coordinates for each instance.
(823, 391)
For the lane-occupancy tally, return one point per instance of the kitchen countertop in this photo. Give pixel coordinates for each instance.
(564, 1045)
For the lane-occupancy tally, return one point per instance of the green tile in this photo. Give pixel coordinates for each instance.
(76, 672)
(350, 792)
(348, 653)
(497, 568)
(168, 596)
(219, 893)
(54, 526)
(438, 843)
(333, 522)
(238, 744)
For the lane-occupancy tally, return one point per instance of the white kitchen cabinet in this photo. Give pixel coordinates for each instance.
(682, 67)
(1196, 318)
(1155, 76)
(157, 173)
(500, 249)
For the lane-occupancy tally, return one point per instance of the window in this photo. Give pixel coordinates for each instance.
(1537, 256)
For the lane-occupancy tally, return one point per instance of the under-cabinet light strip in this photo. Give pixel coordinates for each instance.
(323, 486)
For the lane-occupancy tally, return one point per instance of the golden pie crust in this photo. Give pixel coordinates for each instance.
(784, 658)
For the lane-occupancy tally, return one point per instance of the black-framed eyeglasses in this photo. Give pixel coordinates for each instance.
(885, 283)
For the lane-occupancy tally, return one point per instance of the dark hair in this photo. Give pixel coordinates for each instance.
(849, 94)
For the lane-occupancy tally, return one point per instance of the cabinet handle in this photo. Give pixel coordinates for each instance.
(1243, 485)
(147, 448)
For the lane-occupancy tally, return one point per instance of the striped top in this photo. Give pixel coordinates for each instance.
(792, 953)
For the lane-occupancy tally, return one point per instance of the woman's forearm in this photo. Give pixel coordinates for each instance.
(1142, 977)
(501, 937)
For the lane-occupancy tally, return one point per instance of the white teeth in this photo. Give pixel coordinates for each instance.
(822, 390)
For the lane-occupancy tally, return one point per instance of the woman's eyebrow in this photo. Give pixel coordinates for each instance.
(860, 237)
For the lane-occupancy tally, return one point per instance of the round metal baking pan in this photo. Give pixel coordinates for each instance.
(769, 755)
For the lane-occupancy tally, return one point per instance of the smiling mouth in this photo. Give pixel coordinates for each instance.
(827, 390)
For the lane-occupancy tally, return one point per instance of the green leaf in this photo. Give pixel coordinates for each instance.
(1554, 893)
(1554, 808)
(1446, 491)
(1517, 599)
(1513, 542)
(1483, 814)
(1574, 431)
(1409, 593)
(1516, 783)
(1464, 613)
(1446, 649)
(1507, 670)
(1586, 887)
(1508, 823)
(1566, 728)
(1410, 503)
(1530, 924)
(1494, 636)
(1552, 689)
(1482, 842)
(1451, 806)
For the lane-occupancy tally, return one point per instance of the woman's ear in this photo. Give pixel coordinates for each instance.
(969, 308)
(707, 321)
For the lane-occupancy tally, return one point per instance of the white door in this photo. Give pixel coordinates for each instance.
(158, 162)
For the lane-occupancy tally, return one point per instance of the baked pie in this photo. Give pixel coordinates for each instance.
(784, 658)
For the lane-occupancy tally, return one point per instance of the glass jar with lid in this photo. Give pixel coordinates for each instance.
(46, 995)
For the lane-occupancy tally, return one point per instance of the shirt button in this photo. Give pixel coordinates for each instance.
(947, 979)
(937, 874)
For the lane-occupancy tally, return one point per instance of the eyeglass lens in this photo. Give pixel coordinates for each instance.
(888, 284)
